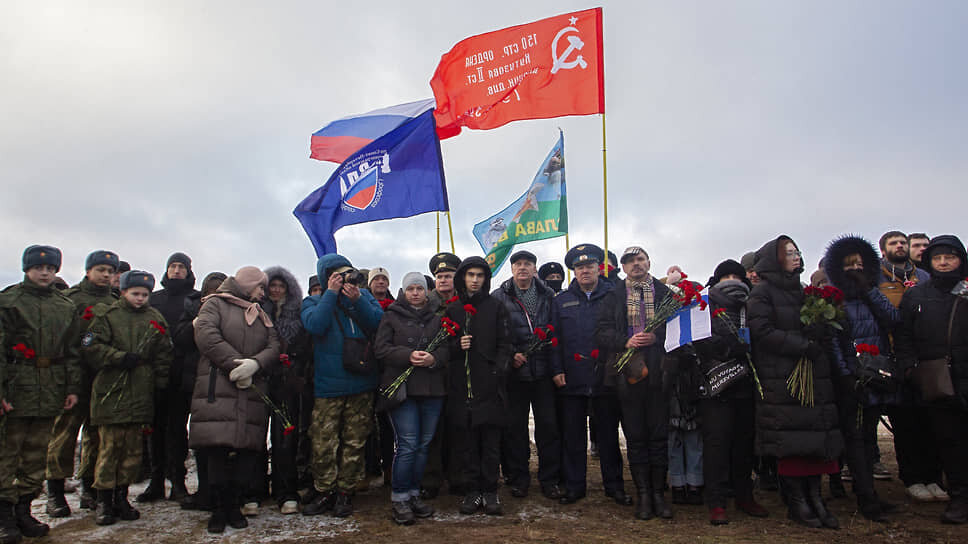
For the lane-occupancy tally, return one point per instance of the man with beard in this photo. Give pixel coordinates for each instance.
(934, 325)
(898, 272)
(169, 441)
(917, 241)
(626, 311)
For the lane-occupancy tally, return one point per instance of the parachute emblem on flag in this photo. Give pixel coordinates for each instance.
(361, 186)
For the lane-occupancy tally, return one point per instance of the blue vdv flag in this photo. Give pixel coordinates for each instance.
(400, 174)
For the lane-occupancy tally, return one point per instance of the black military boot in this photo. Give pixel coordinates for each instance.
(659, 506)
(123, 508)
(643, 488)
(104, 510)
(56, 503)
(28, 525)
(797, 508)
(815, 499)
(231, 505)
(88, 494)
(9, 533)
(178, 490)
(343, 507)
(155, 490)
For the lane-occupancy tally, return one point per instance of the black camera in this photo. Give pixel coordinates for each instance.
(354, 277)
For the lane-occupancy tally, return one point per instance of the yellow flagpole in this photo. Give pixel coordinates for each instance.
(568, 270)
(451, 229)
(604, 188)
(438, 232)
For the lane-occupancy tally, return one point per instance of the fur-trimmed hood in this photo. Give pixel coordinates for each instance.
(850, 244)
(288, 323)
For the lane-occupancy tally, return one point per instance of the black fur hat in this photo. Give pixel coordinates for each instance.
(850, 244)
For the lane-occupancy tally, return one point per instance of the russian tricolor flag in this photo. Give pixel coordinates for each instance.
(343, 137)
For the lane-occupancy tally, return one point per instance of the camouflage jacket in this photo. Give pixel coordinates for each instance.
(120, 395)
(39, 359)
(86, 296)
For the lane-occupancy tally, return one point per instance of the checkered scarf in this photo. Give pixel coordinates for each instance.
(640, 303)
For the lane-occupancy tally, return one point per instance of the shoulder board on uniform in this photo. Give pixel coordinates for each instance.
(71, 291)
(101, 309)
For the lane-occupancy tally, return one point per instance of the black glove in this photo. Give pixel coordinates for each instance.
(848, 384)
(815, 351)
(815, 332)
(130, 360)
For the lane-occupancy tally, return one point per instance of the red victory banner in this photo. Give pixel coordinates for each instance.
(548, 68)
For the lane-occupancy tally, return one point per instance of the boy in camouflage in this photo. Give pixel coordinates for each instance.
(39, 379)
(94, 289)
(129, 350)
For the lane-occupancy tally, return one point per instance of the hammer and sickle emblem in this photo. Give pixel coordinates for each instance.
(574, 44)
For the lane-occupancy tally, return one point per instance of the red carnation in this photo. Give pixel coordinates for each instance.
(284, 359)
(578, 356)
(288, 430)
(875, 351)
(29, 354)
(385, 303)
(88, 314)
(718, 312)
(594, 353)
(550, 328)
(909, 284)
(684, 276)
(451, 299)
(702, 305)
(469, 308)
(157, 326)
(554, 342)
(540, 334)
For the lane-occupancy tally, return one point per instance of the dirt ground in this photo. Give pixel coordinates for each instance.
(533, 519)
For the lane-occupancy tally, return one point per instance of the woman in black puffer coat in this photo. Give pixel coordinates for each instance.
(805, 440)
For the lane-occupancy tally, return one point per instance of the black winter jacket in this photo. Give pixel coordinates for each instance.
(785, 428)
(403, 330)
(612, 332)
(522, 329)
(171, 302)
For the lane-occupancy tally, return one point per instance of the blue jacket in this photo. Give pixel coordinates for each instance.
(318, 313)
(574, 315)
(867, 323)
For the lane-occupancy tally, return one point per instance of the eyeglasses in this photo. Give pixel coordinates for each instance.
(793, 253)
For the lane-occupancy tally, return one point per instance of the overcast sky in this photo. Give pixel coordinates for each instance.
(152, 127)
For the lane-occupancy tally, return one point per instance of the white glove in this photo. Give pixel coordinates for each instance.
(246, 369)
(244, 383)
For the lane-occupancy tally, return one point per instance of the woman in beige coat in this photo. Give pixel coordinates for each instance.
(238, 344)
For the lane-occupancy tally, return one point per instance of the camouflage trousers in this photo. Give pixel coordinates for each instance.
(23, 456)
(119, 455)
(338, 433)
(63, 441)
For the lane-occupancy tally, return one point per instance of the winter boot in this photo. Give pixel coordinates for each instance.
(815, 499)
(216, 523)
(9, 533)
(343, 507)
(797, 508)
(56, 503)
(492, 504)
(659, 505)
(178, 490)
(694, 495)
(957, 510)
(155, 490)
(402, 513)
(322, 502)
(28, 524)
(122, 508)
(231, 505)
(643, 488)
(837, 489)
(870, 508)
(104, 510)
(678, 494)
(88, 494)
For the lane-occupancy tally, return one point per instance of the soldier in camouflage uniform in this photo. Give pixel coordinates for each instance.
(39, 380)
(94, 289)
(129, 351)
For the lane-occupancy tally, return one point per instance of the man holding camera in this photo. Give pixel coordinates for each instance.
(344, 315)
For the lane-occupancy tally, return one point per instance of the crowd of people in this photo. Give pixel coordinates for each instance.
(299, 398)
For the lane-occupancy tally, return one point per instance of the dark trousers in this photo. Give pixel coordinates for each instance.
(950, 426)
(478, 453)
(645, 420)
(918, 459)
(284, 448)
(523, 397)
(231, 469)
(169, 441)
(574, 439)
(857, 447)
(727, 434)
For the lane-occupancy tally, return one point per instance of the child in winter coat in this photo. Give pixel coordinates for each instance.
(129, 350)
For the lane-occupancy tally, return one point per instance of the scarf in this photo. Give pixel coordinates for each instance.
(906, 271)
(252, 309)
(639, 303)
(528, 297)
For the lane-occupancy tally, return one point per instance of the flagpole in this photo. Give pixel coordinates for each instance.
(438, 232)
(604, 188)
(567, 248)
(451, 229)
